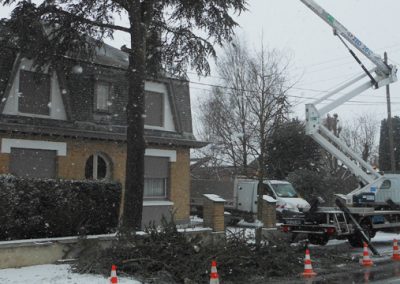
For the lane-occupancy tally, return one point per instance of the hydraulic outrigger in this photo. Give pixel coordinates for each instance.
(354, 223)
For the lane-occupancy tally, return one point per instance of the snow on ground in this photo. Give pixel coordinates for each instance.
(53, 274)
(382, 237)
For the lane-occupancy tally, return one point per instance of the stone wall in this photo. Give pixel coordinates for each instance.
(269, 214)
(213, 215)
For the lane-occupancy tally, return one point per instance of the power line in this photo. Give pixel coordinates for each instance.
(346, 58)
(318, 70)
(355, 102)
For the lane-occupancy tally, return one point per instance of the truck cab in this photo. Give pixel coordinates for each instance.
(283, 192)
(286, 196)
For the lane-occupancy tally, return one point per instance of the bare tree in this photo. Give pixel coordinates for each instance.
(361, 136)
(239, 116)
(268, 108)
(225, 114)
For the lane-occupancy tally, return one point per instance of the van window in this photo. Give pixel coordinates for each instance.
(285, 190)
(386, 184)
(269, 191)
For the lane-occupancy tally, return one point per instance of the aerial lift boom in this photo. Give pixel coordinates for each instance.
(381, 75)
(357, 224)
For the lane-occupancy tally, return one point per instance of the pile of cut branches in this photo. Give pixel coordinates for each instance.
(168, 256)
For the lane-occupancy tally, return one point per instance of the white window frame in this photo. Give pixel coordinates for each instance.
(8, 143)
(104, 107)
(95, 165)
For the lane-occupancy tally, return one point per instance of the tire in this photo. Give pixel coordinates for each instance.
(320, 240)
(355, 241)
(367, 228)
(372, 234)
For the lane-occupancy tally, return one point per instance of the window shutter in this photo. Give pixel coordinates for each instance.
(156, 167)
(34, 93)
(33, 163)
(154, 105)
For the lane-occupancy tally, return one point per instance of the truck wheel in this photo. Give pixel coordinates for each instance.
(367, 227)
(355, 241)
(318, 239)
(372, 234)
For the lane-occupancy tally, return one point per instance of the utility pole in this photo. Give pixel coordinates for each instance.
(390, 126)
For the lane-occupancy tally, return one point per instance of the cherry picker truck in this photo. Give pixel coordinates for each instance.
(373, 206)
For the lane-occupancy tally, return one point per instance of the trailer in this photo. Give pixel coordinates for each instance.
(374, 205)
(356, 224)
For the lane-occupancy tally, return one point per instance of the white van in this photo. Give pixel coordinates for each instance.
(282, 191)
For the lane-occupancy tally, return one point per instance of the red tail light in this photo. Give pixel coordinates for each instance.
(330, 231)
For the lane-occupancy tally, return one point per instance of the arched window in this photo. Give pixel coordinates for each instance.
(98, 166)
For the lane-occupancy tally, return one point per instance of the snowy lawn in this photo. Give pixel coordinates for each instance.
(54, 274)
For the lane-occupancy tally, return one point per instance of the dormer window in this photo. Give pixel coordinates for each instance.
(102, 96)
(154, 107)
(34, 93)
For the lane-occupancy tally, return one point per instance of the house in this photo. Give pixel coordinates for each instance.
(70, 123)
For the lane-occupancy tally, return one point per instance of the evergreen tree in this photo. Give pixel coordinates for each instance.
(162, 33)
(290, 149)
(384, 153)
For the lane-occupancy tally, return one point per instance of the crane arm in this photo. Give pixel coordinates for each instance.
(381, 75)
(350, 37)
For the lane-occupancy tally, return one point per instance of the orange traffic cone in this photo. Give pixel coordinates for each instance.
(113, 278)
(214, 278)
(396, 255)
(308, 271)
(366, 261)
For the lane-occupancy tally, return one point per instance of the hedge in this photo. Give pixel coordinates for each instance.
(43, 208)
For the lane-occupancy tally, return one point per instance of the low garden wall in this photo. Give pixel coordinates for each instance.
(20, 253)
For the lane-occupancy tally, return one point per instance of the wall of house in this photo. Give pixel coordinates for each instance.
(180, 185)
(72, 166)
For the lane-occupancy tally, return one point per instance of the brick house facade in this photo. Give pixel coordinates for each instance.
(70, 123)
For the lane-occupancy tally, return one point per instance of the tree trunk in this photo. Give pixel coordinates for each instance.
(134, 182)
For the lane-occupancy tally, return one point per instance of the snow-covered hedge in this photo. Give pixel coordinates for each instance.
(41, 208)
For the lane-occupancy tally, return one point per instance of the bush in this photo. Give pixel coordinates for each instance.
(43, 208)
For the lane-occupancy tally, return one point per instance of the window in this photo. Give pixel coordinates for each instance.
(102, 95)
(269, 191)
(155, 177)
(154, 108)
(33, 163)
(155, 187)
(34, 93)
(98, 166)
(386, 184)
(285, 190)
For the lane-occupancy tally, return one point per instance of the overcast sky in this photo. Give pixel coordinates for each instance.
(319, 61)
